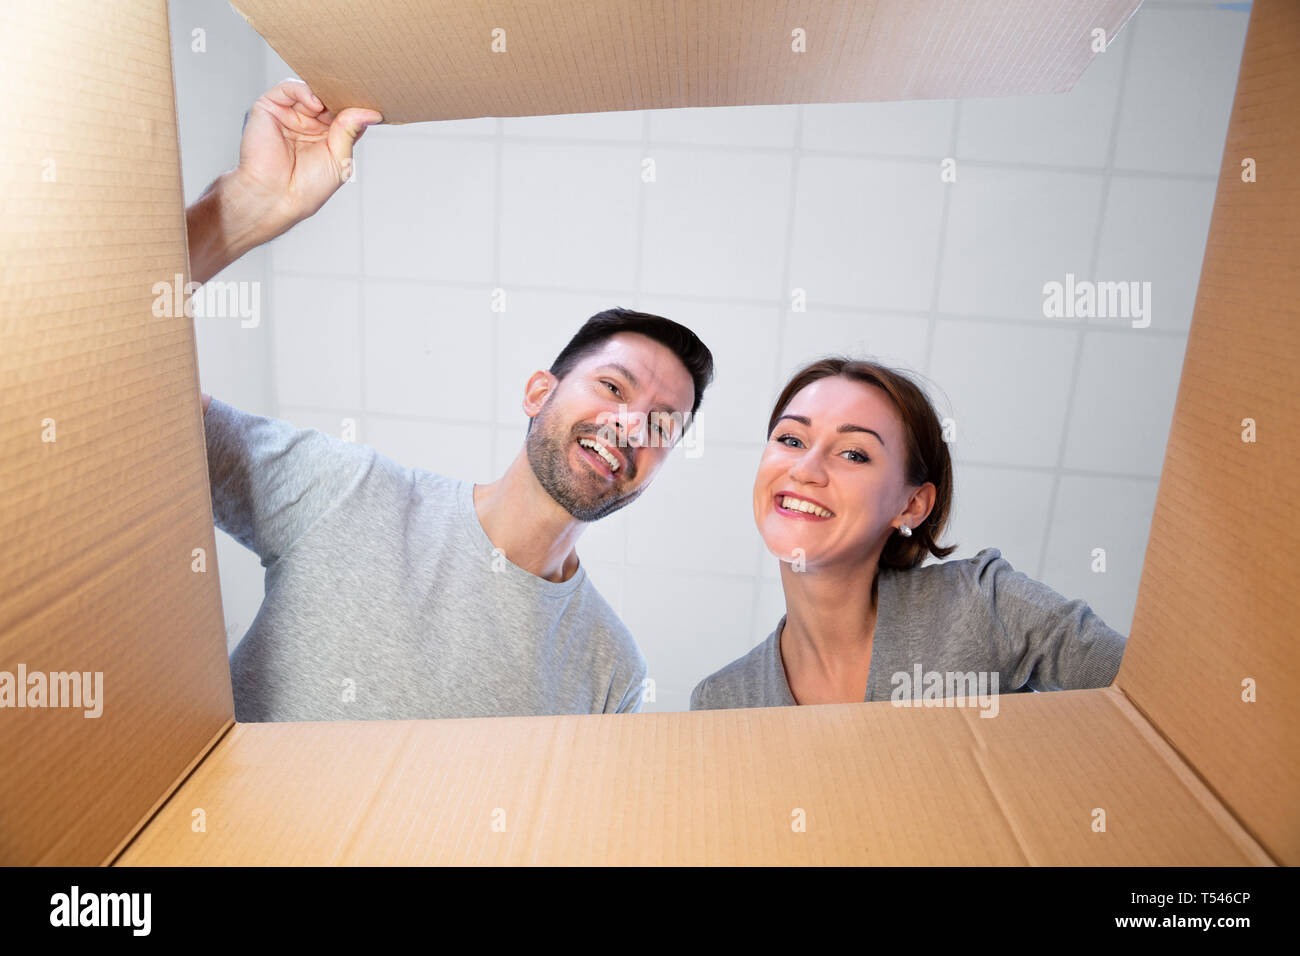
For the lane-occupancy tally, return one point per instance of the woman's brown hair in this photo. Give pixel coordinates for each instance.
(927, 457)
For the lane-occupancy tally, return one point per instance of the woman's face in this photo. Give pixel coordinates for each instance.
(830, 482)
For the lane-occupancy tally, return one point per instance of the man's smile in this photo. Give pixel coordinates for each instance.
(603, 459)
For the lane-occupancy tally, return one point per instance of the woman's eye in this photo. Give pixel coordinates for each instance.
(783, 438)
(857, 455)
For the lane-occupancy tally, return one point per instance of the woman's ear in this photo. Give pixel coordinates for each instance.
(921, 504)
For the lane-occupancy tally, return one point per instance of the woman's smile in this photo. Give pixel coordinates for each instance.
(800, 507)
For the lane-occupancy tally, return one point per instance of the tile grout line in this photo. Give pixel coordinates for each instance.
(783, 320)
(901, 158)
(932, 323)
(496, 317)
(941, 253)
(363, 428)
(636, 304)
(839, 310)
(1081, 330)
(272, 273)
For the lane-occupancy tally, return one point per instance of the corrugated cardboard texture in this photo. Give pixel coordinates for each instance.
(419, 60)
(97, 526)
(98, 530)
(875, 784)
(1217, 604)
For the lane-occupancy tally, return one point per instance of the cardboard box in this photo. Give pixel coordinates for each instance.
(416, 61)
(107, 545)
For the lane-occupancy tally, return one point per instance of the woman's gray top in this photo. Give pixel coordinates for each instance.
(974, 622)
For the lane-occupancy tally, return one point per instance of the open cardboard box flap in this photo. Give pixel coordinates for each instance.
(101, 529)
(868, 784)
(419, 60)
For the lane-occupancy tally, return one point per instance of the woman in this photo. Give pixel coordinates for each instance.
(853, 491)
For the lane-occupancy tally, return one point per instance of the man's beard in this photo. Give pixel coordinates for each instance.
(585, 497)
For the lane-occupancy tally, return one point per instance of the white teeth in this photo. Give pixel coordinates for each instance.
(798, 504)
(600, 450)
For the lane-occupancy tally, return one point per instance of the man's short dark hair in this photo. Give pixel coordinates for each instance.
(684, 343)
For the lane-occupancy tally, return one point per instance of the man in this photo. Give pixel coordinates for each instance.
(397, 593)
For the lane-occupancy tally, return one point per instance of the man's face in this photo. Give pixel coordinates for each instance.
(604, 430)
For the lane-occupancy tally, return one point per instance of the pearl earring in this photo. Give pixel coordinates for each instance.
(905, 531)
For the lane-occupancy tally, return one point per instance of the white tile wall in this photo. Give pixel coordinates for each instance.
(380, 306)
(444, 448)
(430, 206)
(424, 349)
(1096, 511)
(1003, 508)
(332, 422)
(1173, 117)
(536, 325)
(622, 125)
(481, 126)
(507, 442)
(763, 126)
(609, 581)
(1009, 387)
(716, 222)
(769, 604)
(893, 338)
(568, 214)
(1119, 422)
(866, 232)
(698, 514)
(327, 244)
(1071, 130)
(710, 615)
(1010, 230)
(918, 128)
(745, 341)
(1155, 229)
(316, 326)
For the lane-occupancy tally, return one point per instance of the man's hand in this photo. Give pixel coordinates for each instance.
(295, 153)
(293, 156)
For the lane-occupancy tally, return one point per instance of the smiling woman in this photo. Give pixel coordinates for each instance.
(853, 491)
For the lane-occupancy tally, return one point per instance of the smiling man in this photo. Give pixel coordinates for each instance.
(396, 593)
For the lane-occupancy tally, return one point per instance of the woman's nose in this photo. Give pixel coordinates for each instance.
(808, 467)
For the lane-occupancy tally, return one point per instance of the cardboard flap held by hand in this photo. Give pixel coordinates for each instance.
(416, 60)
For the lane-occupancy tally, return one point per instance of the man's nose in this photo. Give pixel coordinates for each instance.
(633, 427)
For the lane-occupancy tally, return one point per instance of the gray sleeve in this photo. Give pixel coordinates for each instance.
(632, 699)
(1049, 642)
(271, 481)
(697, 696)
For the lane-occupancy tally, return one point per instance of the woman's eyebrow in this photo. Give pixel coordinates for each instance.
(859, 428)
(804, 420)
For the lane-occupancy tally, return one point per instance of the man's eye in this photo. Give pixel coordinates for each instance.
(612, 387)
